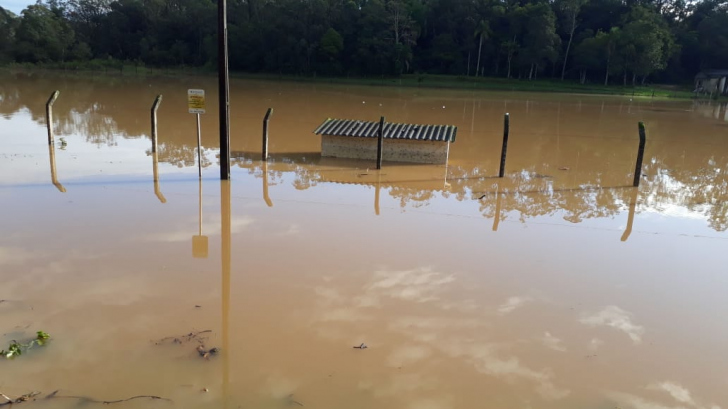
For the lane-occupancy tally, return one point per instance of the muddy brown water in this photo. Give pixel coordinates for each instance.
(558, 286)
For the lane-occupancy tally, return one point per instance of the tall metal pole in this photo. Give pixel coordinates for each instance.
(224, 89)
(199, 149)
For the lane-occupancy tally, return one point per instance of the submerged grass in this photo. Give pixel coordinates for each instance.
(113, 67)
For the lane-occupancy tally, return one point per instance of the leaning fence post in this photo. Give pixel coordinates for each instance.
(640, 155)
(265, 133)
(155, 106)
(506, 130)
(49, 115)
(380, 140)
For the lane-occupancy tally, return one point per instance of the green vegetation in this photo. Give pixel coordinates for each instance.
(608, 42)
(16, 348)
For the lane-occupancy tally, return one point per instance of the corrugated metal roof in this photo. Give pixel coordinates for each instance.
(366, 129)
(712, 74)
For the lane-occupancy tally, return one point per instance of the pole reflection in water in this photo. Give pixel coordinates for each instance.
(225, 256)
(496, 218)
(376, 194)
(265, 185)
(630, 218)
(54, 179)
(155, 172)
(199, 242)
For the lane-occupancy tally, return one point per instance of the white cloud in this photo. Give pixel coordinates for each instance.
(418, 285)
(615, 317)
(678, 392)
(512, 303)
(13, 255)
(551, 342)
(408, 354)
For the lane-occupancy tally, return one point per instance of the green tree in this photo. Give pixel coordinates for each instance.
(331, 45)
(540, 42)
(570, 10)
(42, 35)
(482, 31)
(8, 24)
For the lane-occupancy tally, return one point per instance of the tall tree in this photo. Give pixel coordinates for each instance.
(482, 32)
(570, 11)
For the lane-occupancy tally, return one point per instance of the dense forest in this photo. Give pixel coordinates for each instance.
(595, 41)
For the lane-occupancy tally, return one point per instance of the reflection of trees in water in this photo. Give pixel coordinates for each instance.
(78, 110)
(700, 186)
(180, 155)
(529, 195)
(703, 191)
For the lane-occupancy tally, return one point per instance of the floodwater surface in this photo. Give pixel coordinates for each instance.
(557, 286)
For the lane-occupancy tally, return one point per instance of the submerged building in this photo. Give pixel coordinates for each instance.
(712, 81)
(345, 138)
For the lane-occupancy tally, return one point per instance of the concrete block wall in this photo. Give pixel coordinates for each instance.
(394, 150)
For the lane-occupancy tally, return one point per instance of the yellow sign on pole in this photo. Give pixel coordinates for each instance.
(196, 101)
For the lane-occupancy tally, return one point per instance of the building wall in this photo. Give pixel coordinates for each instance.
(393, 150)
(719, 85)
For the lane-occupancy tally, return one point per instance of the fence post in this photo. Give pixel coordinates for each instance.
(265, 133)
(49, 115)
(380, 140)
(640, 155)
(506, 130)
(155, 106)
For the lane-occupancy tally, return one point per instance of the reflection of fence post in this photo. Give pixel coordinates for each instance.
(155, 173)
(54, 179)
(496, 220)
(155, 106)
(265, 186)
(265, 133)
(380, 140)
(506, 130)
(630, 217)
(49, 115)
(640, 156)
(376, 194)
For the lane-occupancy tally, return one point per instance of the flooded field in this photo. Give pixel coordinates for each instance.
(557, 286)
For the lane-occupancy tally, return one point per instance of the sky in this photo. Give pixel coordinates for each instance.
(16, 6)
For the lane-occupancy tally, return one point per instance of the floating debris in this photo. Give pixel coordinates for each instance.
(362, 346)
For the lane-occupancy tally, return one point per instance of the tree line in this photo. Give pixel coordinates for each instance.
(596, 41)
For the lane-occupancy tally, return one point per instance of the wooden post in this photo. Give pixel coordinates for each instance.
(640, 155)
(265, 133)
(155, 106)
(506, 130)
(224, 89)
(199, 149)
(380, 140)
(49, 115)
